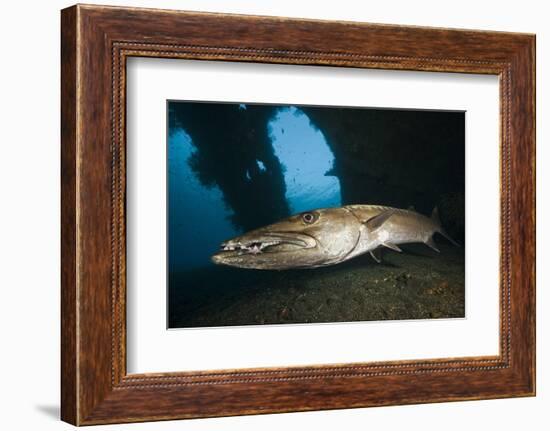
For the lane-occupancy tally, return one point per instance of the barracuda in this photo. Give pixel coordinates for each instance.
(329, 236)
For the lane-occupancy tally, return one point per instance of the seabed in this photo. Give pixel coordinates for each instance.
(416, 284)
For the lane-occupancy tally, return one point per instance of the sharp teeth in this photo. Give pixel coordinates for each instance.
(256, 249)
(253, 247)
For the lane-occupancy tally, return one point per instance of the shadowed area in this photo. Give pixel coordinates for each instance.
(233, 152)
(415, 284)
(396, 157)
(235, 167)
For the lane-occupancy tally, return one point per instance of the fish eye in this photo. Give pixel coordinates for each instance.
(308, 218)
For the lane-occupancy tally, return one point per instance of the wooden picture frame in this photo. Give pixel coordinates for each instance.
(95, 43)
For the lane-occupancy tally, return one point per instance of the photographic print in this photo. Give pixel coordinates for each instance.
(262, 222)
(296, 214)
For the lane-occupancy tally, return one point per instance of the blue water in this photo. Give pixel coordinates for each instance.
(234, 167)
(199, 218)
(307, 158)
(197, 215)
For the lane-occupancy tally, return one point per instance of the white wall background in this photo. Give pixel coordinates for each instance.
(29, 214)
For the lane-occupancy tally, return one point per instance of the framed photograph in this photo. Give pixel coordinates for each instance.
(317, 215)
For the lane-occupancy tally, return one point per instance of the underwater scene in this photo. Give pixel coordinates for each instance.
(283, 214)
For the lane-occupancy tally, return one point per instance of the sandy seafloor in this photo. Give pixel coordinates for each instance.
(416, 284)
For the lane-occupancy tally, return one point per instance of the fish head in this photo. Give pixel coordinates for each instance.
(306, 240)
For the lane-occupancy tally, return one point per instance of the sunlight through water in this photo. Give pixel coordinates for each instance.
(306, 158)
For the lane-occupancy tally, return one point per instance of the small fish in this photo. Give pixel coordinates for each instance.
(329, 236)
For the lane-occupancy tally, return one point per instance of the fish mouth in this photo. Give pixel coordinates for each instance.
(268, 242)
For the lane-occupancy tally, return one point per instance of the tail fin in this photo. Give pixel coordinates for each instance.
(437, 221)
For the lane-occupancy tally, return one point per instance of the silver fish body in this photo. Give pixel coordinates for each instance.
(328, 236)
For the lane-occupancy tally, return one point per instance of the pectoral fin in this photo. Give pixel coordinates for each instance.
(376, 258)
(392, 246)
(378, 220)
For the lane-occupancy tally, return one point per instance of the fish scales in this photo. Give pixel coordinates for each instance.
(328, 236)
